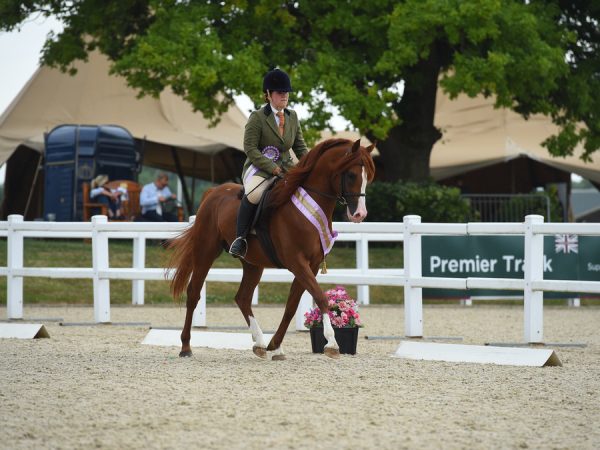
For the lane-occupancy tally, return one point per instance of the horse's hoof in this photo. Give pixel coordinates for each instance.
(278, 358)
(333, 353)
(261, 352)
(186, 354)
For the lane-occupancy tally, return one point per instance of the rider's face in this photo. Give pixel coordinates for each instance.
(279, 99)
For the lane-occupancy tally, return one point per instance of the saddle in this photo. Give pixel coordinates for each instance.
(260, 225)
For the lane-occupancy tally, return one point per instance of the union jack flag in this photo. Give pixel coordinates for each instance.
(566, 243)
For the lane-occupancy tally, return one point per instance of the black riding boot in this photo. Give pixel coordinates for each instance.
(244, 219)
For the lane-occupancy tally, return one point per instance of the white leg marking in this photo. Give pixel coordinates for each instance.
(257, 334)
(278, 351)
(328, 332)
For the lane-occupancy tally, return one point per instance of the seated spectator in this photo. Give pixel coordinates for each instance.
(100, 193)
(154, 197)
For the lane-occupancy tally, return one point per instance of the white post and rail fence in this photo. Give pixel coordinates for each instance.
(99, 230)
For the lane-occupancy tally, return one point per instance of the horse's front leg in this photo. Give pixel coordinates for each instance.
(291, 307)
(307, 279)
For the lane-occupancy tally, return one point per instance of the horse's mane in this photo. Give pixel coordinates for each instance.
(297, 175)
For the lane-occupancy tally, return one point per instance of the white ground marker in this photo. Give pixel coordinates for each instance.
(23, 331)
(482, 354)
(210, 339)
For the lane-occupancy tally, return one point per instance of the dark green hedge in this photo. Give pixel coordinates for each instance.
(390, 202)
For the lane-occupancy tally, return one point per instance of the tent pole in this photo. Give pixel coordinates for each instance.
(186, 194)
(194, 179)
(34, 182)
(76, 170)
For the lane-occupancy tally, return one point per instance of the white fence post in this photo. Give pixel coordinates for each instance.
(199, 316)
(139, 262)
(413, 297)
(533, 271)
(306, 303)
(362, 263)
(14, 260)
(100, 262)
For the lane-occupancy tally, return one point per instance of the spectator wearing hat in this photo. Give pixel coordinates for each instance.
(100, 193)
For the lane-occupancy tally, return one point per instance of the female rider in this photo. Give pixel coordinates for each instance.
(268, 137)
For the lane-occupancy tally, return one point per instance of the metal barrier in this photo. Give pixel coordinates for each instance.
(506, 207)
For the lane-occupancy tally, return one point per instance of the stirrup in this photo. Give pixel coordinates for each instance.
(243, 247)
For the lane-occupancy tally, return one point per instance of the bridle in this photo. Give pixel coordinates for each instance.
(341, 199)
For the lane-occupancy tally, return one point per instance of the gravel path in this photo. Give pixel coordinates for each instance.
(97, 386)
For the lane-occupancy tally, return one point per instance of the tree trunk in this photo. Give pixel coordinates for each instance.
(403, 157)
(406, 151)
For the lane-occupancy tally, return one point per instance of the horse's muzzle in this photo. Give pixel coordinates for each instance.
(359, 215)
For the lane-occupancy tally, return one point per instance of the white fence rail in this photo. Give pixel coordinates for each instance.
(99, 230)
(533, 284)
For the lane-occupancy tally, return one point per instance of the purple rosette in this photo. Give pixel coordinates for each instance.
(271, 153)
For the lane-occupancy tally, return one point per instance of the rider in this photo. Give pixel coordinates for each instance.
(269, 135)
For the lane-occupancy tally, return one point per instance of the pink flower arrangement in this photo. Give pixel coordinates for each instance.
(343, 311)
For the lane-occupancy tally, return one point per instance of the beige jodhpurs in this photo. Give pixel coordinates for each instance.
(255, 186)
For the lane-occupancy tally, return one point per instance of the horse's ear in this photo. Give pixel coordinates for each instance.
(356, 146)
(370, 148)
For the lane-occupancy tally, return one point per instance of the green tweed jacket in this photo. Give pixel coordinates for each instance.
(262, 131)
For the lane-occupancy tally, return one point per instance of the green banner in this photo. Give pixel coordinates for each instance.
(566, 257)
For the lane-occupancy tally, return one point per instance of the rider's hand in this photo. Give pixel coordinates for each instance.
(277, 171)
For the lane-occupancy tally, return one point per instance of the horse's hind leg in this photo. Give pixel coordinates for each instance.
(193, 296)
(209, 254)
(243, 298)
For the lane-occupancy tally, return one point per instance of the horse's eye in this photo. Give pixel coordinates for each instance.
(351, 176)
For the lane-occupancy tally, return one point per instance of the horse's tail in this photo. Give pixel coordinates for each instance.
(184, 248)
(181, 260)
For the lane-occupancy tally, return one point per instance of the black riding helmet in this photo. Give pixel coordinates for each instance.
(277, 80)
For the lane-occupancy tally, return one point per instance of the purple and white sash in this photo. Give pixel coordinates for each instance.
(313, 212)
(269, 152)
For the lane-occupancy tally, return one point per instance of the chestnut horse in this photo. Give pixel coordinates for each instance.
(335, 169)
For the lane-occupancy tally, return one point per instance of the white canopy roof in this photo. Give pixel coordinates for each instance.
(476, 135)
(93, 97)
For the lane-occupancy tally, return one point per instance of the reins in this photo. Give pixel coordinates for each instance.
(341, 199)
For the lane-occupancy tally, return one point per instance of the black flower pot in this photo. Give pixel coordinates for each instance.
(346, 338)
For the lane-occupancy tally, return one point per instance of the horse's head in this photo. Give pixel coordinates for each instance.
(355, 172)
(335, 169)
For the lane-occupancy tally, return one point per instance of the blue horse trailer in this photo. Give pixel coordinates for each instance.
(76, 154)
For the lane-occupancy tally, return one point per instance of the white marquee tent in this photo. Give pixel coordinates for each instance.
(476, 135)
(93, 97)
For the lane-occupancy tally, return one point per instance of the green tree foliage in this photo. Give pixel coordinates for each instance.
(380, 62)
